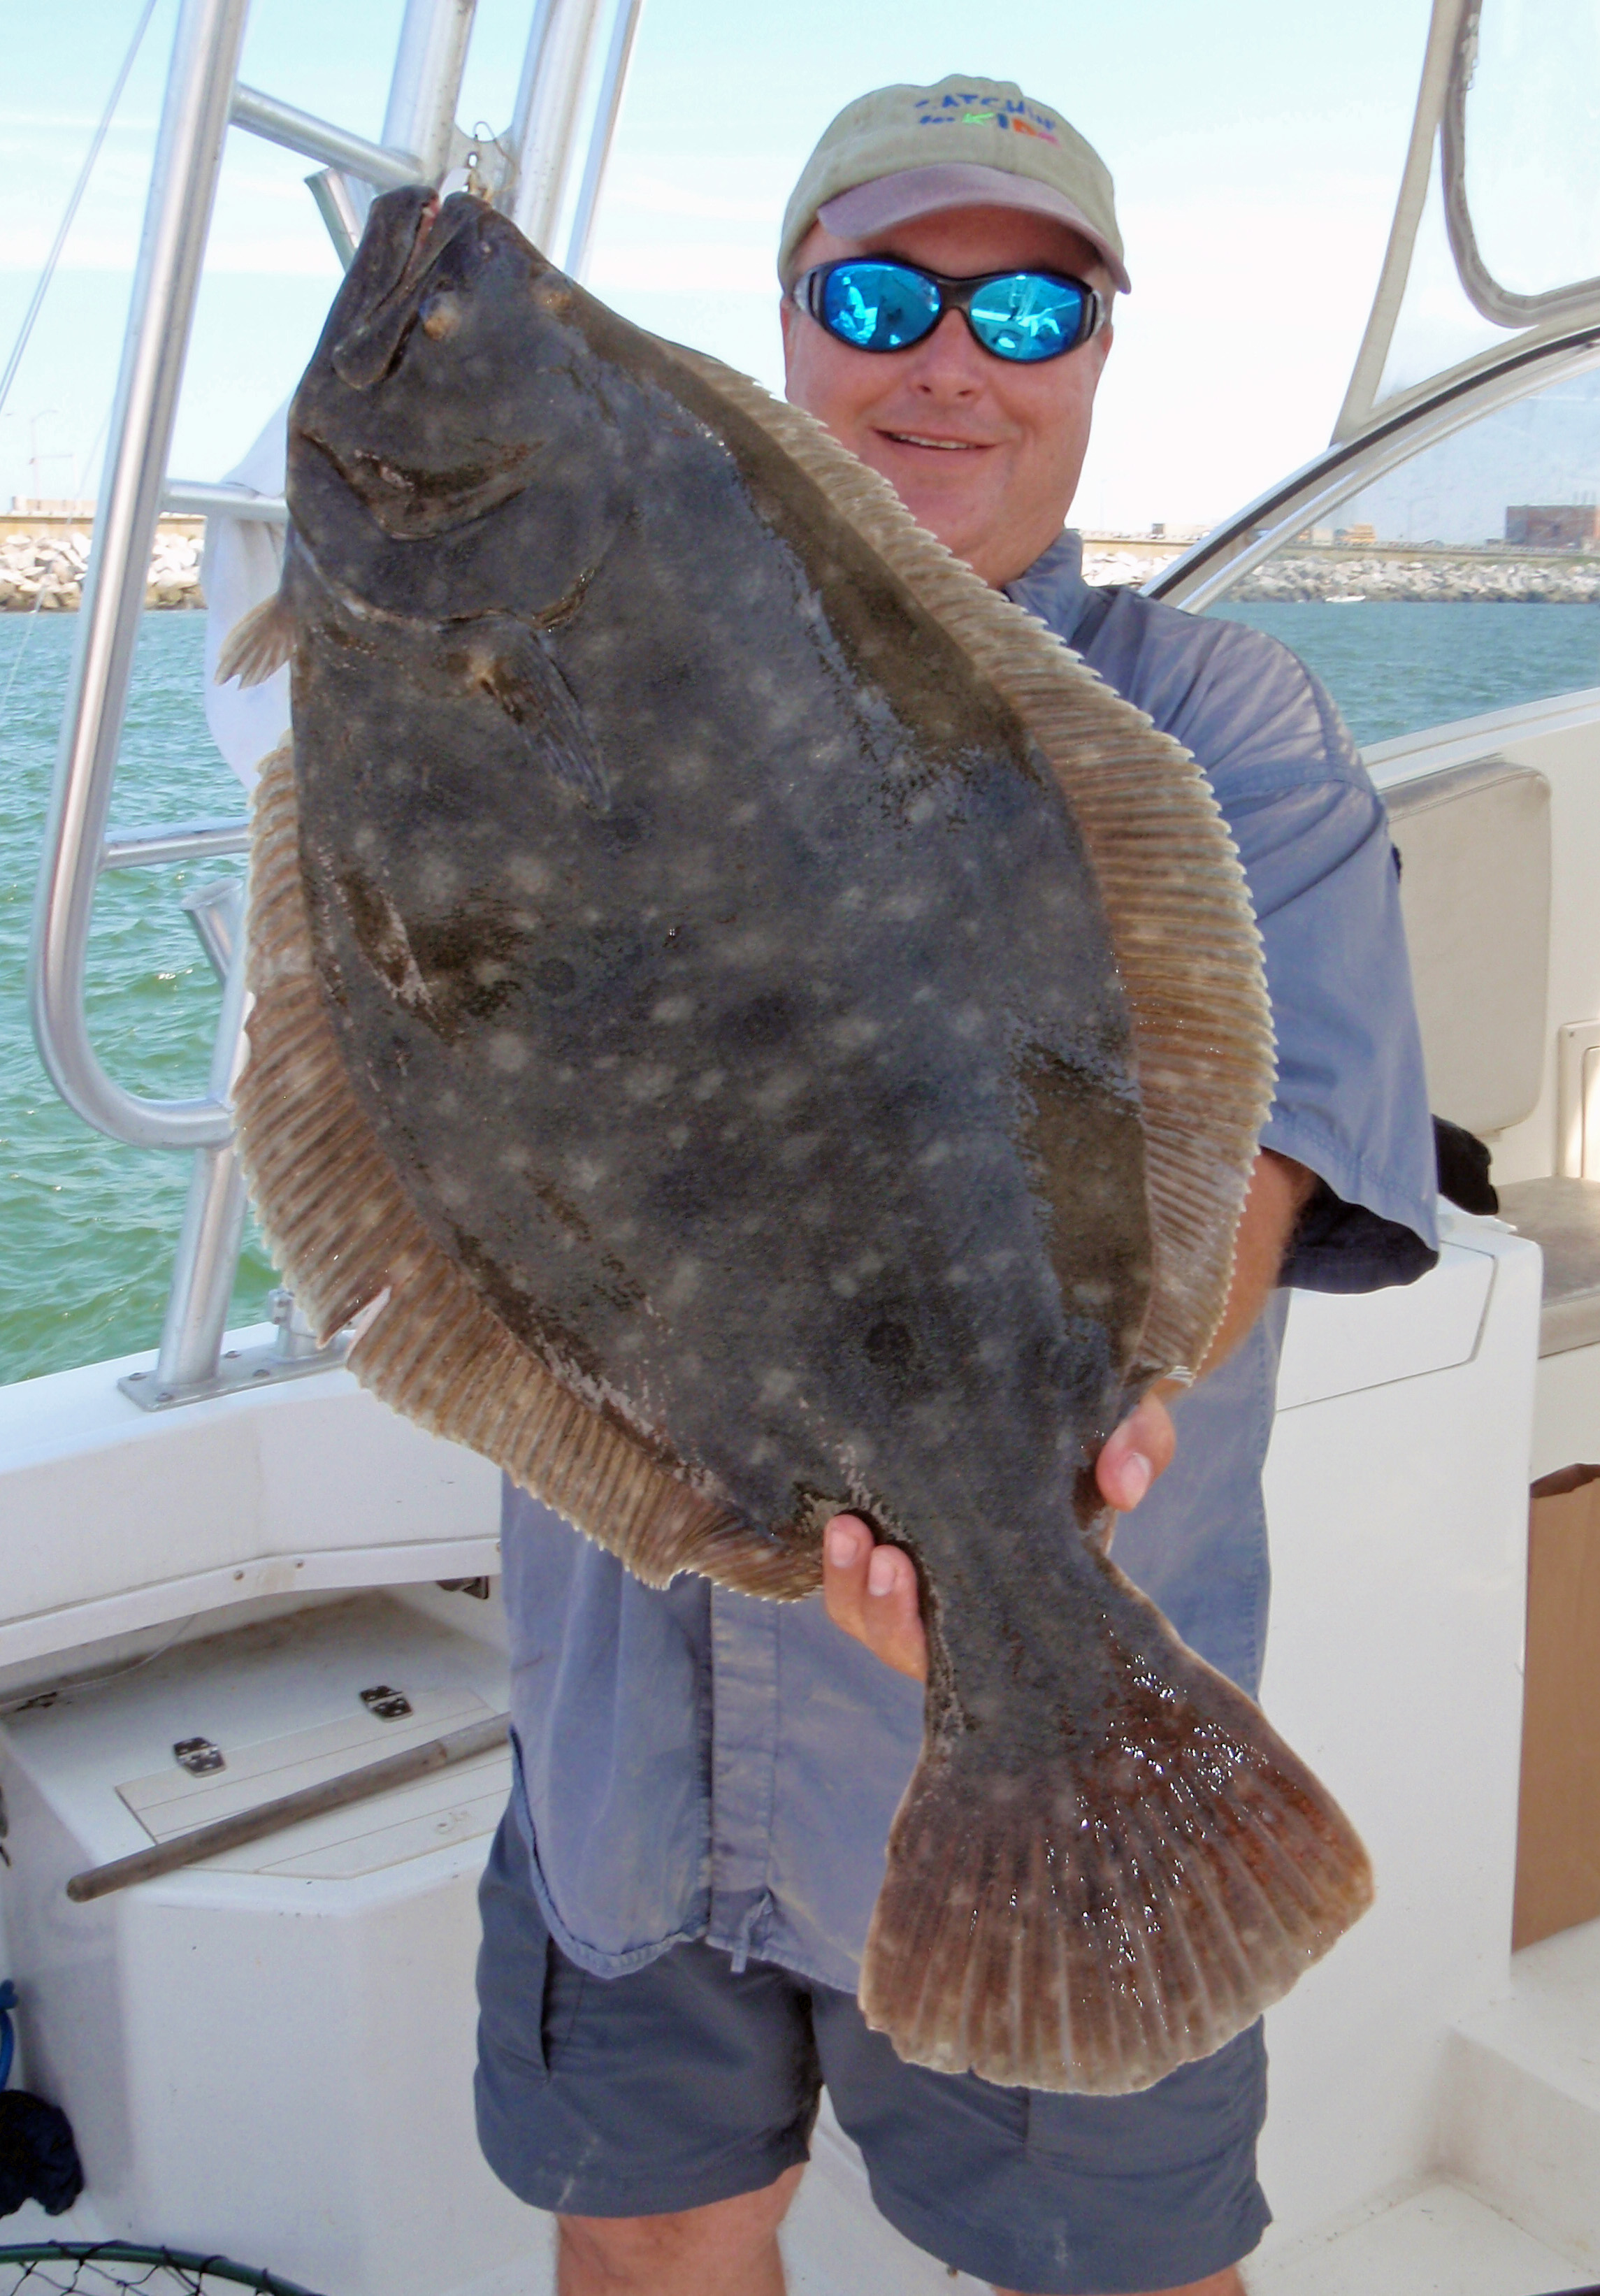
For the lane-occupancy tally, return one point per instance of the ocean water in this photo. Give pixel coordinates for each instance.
(87, 1227)
(1395, 666)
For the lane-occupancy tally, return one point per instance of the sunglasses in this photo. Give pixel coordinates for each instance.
(875, 304)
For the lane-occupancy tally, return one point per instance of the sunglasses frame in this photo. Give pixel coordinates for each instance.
(954, 295)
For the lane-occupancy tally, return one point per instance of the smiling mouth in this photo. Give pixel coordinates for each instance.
(944, 445)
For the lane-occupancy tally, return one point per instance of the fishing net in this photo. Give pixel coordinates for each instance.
(96, 2267)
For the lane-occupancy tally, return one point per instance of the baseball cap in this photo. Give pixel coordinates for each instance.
(904, 151)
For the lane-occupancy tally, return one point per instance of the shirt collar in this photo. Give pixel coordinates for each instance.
(1053, 587)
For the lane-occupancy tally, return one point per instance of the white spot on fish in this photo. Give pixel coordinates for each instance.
(514, 1159)
(506, 1051)
(852, 1034)
(843, 1281)
(776, 1385)
(707, 1083)
(899, 908)
(649, 1080)
(437, 879)
(586, 1171)
(785, 1085)
(671, 1009)
(681, 1286)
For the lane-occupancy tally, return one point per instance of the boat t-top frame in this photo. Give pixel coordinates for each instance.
(1557, 333)
(527, 171)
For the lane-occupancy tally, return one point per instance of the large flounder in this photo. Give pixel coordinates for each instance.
(782, 1034)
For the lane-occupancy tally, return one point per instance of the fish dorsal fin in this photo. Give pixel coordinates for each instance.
(1183, 931)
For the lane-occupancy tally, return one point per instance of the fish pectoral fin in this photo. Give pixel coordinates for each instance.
(508, 664)
(1090, 1908)
(258, 643)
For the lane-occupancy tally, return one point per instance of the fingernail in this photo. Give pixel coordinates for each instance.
(841, 1547)
(881, 1572)
(1135, 1478)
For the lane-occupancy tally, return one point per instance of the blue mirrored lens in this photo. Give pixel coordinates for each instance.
(1028, 316)
(878, 306)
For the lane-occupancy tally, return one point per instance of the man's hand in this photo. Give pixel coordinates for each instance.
(871, 1590)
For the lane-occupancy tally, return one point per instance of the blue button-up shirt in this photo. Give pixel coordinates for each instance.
(697, 1764)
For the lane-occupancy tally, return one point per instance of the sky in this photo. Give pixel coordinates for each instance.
(1256, 146)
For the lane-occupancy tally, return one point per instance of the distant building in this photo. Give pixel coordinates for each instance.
(1355, 537)
(49, 506)
(1554, 526)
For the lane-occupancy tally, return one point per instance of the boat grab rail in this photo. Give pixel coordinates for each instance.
(201, 97)
(420, 142)
(188, 154)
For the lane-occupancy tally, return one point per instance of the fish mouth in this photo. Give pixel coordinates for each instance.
(408, 236)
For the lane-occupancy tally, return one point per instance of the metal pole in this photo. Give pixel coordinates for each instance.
(612, 84)
(276, 122)
(341, 208)
(177, 219)
(541, 132)
(224, 1833)
(423, 92)
(1368, 370)
(208, 1244)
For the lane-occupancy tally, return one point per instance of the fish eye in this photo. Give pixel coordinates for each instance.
(440, 316)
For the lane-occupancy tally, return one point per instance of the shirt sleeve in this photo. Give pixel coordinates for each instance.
(1352, 1097)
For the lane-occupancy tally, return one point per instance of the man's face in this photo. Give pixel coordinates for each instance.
(984, 452)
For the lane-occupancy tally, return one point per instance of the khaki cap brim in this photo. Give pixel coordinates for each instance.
(894, 199)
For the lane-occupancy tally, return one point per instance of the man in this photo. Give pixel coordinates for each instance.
(675, 1905)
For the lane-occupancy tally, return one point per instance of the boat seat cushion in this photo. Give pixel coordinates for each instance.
(1563, 1218)
(1474, 846)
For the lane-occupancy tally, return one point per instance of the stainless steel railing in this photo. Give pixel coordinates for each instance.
(420, 142)
(177, 219)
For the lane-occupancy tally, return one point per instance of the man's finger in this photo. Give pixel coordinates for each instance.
(1139, 1450)
(870, 1591)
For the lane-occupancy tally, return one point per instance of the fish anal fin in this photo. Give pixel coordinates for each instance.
(509, 665)
(344, 1231)
(259, 643)
(1093, 1917)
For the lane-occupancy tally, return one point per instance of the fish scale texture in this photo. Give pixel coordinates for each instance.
(766, 1030)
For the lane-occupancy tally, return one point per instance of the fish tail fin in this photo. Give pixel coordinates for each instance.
(258, 643)
(1065, 1909)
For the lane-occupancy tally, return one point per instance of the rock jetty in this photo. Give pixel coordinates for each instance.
(42, 569)
(1444, 577)
(1427, 572)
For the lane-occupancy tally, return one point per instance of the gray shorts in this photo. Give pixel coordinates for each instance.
(687, 2083)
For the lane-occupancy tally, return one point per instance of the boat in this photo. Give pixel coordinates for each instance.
(228, 1578)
